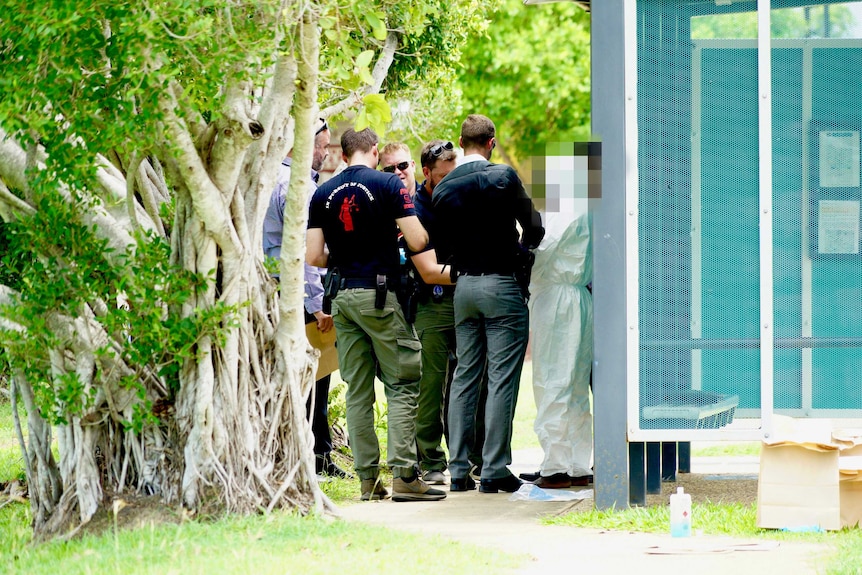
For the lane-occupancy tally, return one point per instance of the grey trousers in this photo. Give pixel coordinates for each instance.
(491, 323)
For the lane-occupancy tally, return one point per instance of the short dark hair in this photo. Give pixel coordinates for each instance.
(353, 141)
(429, 160)
(476, 130)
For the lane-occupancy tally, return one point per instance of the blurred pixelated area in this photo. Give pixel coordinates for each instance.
(567, 177)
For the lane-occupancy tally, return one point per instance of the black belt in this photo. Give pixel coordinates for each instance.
(363, 283)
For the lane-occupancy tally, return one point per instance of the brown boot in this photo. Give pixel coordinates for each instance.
(373, 490)
(416, 490)
(554, 481)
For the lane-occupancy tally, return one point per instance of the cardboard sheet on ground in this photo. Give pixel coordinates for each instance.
(530, 492)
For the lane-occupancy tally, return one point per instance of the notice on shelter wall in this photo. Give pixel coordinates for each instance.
(839, 159)
(838, 227)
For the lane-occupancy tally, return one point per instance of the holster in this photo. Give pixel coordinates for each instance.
(411, 304)
(407, 292)
(380, 292)
(331, 285)
(524, 269)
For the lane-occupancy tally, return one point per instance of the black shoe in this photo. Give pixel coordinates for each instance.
(326, 467)
(581, 481)
(509, 484)
(530, 476)
(465, 484)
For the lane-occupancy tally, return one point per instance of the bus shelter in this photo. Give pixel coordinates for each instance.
(727, 254)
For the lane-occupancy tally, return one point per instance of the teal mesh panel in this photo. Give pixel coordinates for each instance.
(729, 258)
(664, 97)
(683, 375)
(836, 278)
(787, 132)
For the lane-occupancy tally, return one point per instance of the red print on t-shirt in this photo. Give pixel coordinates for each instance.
(348, 206)
(408, 201)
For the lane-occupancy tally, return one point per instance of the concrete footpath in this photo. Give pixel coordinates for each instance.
(492, 521)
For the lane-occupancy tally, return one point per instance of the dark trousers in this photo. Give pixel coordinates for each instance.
(320, 418)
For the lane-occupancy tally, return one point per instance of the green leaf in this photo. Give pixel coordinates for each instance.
(378, 103)
(361, 121)
(378, 29)
(364, 59)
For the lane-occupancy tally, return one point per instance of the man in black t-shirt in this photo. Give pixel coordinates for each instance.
(357, 215)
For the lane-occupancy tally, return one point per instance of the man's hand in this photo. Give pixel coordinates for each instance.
(324, 321)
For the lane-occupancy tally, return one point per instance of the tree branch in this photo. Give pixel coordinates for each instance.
(11, 206)
(148, 190)
(7, 298)
(206, 198)
(236, 130)
(378, 74)
(13, 161)
(265, 155)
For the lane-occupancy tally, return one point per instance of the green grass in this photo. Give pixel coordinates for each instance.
(744, 449)
(736, 520)
(11, 461)
(732, 520)
(275, 544)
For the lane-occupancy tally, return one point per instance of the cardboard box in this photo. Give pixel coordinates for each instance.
(798, 488)
(850, 486)
(810, 475)
(325, 344)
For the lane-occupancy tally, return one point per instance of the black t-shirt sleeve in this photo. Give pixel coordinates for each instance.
(316, 210)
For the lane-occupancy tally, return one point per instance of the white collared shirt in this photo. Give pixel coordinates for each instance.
(461, 160)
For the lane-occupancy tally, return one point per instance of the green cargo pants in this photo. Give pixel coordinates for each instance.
(435, 325)
(378, 342)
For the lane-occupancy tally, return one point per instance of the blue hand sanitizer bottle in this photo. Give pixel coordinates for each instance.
(680, 514)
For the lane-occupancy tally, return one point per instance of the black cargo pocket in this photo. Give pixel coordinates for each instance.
(409, 359)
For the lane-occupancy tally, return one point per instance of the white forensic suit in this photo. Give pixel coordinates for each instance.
(561, 320)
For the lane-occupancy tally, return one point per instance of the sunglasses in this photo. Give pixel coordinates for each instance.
(322, 128)
(437, 150)
(401, 166)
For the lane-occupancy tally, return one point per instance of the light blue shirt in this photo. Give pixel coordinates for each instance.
(273, 228)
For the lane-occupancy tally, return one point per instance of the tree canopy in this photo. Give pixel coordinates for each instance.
(139, 144)
(530, 73)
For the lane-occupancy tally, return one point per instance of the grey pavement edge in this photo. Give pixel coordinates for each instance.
(492, 521)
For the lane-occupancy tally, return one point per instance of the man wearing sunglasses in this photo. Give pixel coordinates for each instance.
(273, 228)
(435, 320)
(478, 207)
(395, 159)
